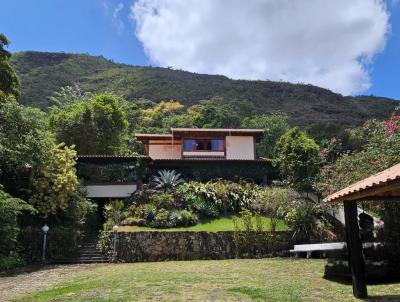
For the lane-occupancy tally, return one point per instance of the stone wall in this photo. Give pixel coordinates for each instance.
(185, 245)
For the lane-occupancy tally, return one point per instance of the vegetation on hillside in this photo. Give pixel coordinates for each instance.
(43, 73)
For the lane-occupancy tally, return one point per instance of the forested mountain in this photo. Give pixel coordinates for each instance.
(42, 73)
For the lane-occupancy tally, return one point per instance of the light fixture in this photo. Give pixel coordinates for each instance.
(45, 229)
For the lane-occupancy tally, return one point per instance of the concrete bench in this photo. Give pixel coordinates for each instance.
(321, 247)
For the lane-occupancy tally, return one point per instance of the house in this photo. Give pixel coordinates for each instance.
(204, 154)
(200, 154)
(108, 176)
(195, 144)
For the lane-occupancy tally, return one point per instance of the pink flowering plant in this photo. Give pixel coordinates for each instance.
(379, 150)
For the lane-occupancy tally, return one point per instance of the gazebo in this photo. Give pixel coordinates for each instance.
(383, 186)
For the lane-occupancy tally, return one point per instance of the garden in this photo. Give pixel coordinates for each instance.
(170, 203)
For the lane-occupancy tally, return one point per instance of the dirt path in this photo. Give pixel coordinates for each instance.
(37, 278)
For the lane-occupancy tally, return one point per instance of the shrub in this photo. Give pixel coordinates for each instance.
(303, 219)
(104, 244)
(226, 196)
(161, 220)
(204, 208)
(274, 202)
(62, 242)
(188, 218)
(162, 200)
(175, 218)
(133, 221)
(10, 209)
(113, 213)
(10, 261)
(149, 212)
(248, 237)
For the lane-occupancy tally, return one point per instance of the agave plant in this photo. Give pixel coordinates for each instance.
(167, 180)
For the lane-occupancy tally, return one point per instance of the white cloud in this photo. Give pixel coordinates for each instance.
(322, 42)
(116, 17)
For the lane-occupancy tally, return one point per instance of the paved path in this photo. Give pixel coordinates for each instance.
(32, 279)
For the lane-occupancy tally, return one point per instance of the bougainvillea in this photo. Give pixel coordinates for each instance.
(381, 150)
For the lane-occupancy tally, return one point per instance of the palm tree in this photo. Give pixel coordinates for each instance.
(167, 179)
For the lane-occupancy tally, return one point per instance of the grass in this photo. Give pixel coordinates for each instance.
(208, 225)
(274, 279)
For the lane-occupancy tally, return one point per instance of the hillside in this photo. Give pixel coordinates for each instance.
(43, 73)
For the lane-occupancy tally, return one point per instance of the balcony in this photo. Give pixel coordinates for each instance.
(203, 154)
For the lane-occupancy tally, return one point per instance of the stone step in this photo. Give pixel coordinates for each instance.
(87, 260)
(91, 248)
(91, 255)
(88, 253)
(92, 258)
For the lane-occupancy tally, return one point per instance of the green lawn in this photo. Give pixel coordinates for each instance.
(274, 279)
(209, 225)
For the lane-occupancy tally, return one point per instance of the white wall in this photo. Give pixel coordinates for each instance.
(110, 191)
(165, 151)
(240, 147)
(204, 153)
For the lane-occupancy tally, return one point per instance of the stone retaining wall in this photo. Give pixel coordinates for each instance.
(185, 245)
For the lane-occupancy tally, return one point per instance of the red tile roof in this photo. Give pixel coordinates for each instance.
(153, 135)
(227, 130)
(385, 183)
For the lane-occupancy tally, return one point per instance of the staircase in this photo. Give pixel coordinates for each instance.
(87, 252)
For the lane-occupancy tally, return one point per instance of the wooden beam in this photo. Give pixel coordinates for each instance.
(381, 199)
(376, 190)
(354, 250)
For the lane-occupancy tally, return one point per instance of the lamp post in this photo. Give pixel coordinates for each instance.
(45, 229)
(114, 257)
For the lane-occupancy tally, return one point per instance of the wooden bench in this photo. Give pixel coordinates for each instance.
(320, 247)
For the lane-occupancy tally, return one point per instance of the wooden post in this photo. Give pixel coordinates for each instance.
(354, 250)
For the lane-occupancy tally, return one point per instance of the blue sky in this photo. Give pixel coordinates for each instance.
(104, 27)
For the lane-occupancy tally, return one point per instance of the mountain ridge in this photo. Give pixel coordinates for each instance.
(42, 73)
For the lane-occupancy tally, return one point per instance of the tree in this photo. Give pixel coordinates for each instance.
(10, 209)
(9, 83)
(95, 127)
(69, 95)
(217, 113)
(297, 157)
(55, 182)
(153, 118)
(24, 142)
(274, 125)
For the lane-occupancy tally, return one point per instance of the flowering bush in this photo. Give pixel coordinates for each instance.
(380, 150)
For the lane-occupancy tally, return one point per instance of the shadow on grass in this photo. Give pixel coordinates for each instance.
(384, 298)
(382, 281)
(346, 280)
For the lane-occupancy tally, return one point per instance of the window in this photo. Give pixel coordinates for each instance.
(190, 144)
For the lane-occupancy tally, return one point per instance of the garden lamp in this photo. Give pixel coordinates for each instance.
(45, 229)
(115, 229)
